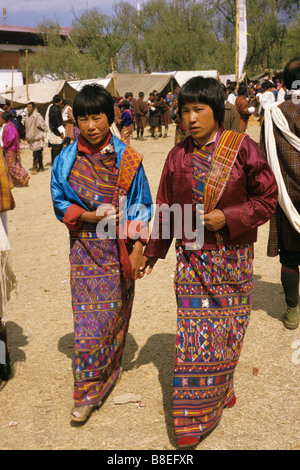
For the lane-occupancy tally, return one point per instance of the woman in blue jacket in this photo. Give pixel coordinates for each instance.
(89, 179)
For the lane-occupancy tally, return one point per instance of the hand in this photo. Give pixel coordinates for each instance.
(135, 258)
(147, 263)
(215, 220)
(102, 212)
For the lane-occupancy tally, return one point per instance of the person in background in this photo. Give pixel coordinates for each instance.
(68, 121)
(266, 98)
(180, 133)
(154, 115)
(231, 116)
(280, 135)
(282, 94)
(243, 108)
(140, 111)
(8, 280)
(36, 132)
(55, 124)
(11, 148)
(224, 175)
(126, 122)
(165, 119)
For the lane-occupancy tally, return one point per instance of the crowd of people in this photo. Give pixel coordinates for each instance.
(232, 186)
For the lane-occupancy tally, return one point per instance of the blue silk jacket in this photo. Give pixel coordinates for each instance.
(63, 195)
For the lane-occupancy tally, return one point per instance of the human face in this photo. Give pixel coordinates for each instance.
(199, 120)
(29, 109)
(94, 128)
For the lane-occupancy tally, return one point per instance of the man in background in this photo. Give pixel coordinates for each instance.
(36, 131)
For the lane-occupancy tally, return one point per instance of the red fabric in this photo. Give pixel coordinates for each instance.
(85, 147)
(248, 201)
(71, 217)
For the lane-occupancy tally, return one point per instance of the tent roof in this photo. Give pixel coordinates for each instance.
(267, 74)
(135, 83)
(183, 76)
(107, 83)
(40, 93)
(231, 77)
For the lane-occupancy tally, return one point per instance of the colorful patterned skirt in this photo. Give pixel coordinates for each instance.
(102, 302)
(18, 174)
(213, 291)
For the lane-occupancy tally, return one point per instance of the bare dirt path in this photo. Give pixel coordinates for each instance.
(35, 404)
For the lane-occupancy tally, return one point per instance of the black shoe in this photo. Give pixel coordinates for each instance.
(5, 369)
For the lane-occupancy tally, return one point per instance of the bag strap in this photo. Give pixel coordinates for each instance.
(219, 172)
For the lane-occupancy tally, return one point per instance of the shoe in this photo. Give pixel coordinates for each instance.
(291, 318)
(165, 135)
(82, 413)
(231, 403)
(5, 369)
(187, 441)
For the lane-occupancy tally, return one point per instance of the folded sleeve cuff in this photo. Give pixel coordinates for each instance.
(71, 217)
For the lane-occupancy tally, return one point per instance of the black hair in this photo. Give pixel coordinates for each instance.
(204, 90)
(141, 94)
(126, 104)
(267, 85)
(7, 116)
(31, 103)
(242, 90)
(94, 99)
(291, 74)
(57, 99)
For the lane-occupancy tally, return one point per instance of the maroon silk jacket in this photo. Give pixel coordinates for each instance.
(249, 199)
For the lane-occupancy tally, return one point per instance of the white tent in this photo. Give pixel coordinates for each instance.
(134, 83)
(107, 83)
(231, 77)
(7, 78)
(40, 93)
(183, 76)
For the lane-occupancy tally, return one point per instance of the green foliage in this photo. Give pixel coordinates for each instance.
(168, 35)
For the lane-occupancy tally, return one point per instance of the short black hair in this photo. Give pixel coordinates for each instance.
(291, 74)
(94, 99)
(57, 99)
(204, 90)
(31, 103)
(7, 116)
(242, 90)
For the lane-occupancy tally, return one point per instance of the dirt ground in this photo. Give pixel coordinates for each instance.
(35, 404)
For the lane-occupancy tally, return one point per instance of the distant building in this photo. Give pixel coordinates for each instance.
(14, 41)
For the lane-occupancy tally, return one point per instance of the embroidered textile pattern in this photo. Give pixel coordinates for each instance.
(213, 291)
(222, 162)
(101, 298)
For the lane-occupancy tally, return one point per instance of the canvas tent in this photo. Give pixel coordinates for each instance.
(107, 83)
(135, 83)
(268, 74)
(182, 76)
(223, 78)
(40, 93)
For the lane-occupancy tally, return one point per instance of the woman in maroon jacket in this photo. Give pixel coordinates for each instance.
(224, 175)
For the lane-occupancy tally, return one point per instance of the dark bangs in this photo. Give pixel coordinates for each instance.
(204, 90)
(94, 99)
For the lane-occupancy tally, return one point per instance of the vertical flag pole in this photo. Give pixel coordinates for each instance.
(237, 43)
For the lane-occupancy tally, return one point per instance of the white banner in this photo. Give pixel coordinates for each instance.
(242, 36)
